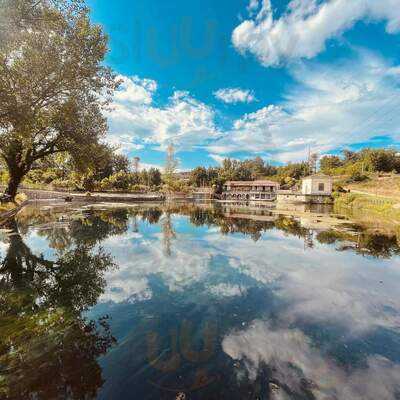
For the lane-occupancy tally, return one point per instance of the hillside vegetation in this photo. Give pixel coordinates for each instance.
(378, 185)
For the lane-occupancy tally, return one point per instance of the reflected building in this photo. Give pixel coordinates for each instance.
(261, 190)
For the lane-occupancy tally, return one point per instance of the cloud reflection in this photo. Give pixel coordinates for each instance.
(301, 369)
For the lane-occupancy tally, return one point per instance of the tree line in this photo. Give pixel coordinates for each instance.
(354, 164)
(250, 169)
(357, 164)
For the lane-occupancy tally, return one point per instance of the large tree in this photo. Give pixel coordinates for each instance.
(53, 84)
(328, 163)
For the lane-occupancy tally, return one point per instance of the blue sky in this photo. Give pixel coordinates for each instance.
(239, 78)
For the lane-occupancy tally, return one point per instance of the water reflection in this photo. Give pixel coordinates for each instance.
(47, 349)
(205, 303)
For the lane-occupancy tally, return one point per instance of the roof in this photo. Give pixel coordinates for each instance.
(252, 183)
(318, 176)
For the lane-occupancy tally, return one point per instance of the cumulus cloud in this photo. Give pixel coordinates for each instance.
(328, 107)
(184, 120)
(303, 30)
(135, 90)
(235, 95)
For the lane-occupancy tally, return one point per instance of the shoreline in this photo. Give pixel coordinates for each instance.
(371, 212)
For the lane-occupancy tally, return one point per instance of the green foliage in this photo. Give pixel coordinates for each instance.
(119, 181)
(327, 163)
(250, 169)
(43, 332)
(176, 186)
(293, 171)
(153, 178)
(231, 170)
(107, 171)
(357, 177)
(362, 162)
(199, 177)
(53, 84)
(131, 181)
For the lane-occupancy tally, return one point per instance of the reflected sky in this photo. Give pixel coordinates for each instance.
(206, 305)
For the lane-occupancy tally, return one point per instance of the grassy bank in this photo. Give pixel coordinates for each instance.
(369, 210)
(387, 186)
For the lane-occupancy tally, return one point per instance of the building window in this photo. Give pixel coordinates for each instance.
(321, 187)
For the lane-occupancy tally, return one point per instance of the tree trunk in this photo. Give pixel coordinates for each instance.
(13, 183)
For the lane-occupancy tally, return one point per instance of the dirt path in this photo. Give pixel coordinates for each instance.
(372, 194)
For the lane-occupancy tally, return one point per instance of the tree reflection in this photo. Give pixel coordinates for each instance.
(94, 227)
(47, 349)
(361, 241)
(168, 233)
(367, 244)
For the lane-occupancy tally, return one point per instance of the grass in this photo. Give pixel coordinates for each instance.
(370, 210)
(379, 185)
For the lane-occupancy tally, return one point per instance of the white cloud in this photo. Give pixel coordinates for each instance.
(217, 158)
(303, 30)
(328, 107)
(235, 95)
(253, 7)
(183, 120)
(135, 90)
(139, 257)
(147, 166)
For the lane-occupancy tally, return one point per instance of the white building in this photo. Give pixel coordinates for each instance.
(319, 185)
(315, 189)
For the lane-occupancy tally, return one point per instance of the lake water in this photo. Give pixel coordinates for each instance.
(196, 302)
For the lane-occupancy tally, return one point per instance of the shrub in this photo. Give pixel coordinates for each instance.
(357, 177)
(119, 181)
